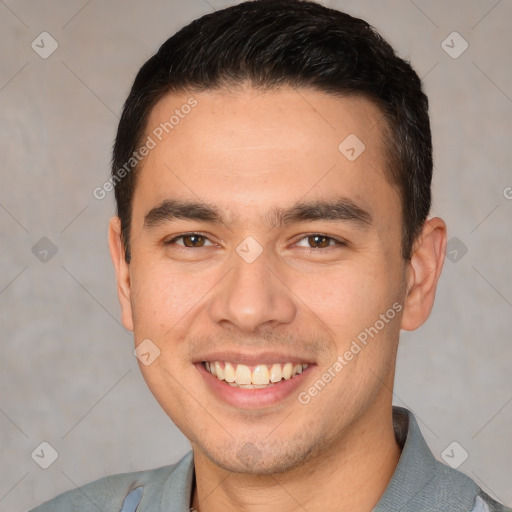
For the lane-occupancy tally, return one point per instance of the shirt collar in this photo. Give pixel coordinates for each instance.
(416, 467)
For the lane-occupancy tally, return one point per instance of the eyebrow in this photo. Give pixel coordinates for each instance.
(339, 210)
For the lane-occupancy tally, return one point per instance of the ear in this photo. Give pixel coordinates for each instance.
(116, 246)
(424, 269)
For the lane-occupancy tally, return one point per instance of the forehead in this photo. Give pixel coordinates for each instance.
(244, 146)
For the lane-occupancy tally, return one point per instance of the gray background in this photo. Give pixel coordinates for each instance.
(68, 375)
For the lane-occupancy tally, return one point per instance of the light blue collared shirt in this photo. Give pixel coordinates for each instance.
(420, 483)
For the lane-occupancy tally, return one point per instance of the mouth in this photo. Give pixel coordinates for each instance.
(259, 376)
(253, 383)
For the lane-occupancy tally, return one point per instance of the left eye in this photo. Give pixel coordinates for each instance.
(319, 241)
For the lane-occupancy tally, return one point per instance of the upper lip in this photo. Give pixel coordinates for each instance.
(252, 359)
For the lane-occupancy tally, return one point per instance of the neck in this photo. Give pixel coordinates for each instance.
(351, 475)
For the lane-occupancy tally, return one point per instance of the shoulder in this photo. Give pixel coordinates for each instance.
(107, 494)
(450, 485)
(484, 503)
(422, 482)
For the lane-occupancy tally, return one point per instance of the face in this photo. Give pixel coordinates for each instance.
(268, 254)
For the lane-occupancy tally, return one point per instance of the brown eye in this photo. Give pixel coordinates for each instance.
(319, 241)
(191, 240)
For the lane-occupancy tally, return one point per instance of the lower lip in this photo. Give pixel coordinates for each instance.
(252, 398)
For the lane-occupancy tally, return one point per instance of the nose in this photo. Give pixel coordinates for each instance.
(253, 296)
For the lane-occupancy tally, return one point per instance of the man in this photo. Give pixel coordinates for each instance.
(272, 171)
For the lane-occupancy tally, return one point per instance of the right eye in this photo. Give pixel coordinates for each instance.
(189, 240)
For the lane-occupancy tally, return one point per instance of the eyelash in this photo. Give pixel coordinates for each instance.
(337, 242)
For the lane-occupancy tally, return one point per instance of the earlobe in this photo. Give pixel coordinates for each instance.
(117, 253)
(423, 273)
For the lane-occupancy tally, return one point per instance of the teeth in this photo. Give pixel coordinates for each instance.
(219, 371)
(246, 386)
(229, 372)
(275, 373)
(260, 375)
(240, 375)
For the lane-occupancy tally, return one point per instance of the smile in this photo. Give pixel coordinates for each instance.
(253, 377)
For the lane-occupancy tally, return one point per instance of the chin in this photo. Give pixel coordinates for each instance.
(262, 458)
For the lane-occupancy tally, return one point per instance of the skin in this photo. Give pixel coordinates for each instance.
(248, 151)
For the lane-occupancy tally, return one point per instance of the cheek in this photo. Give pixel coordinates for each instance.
(347, 297)
(163, 296)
